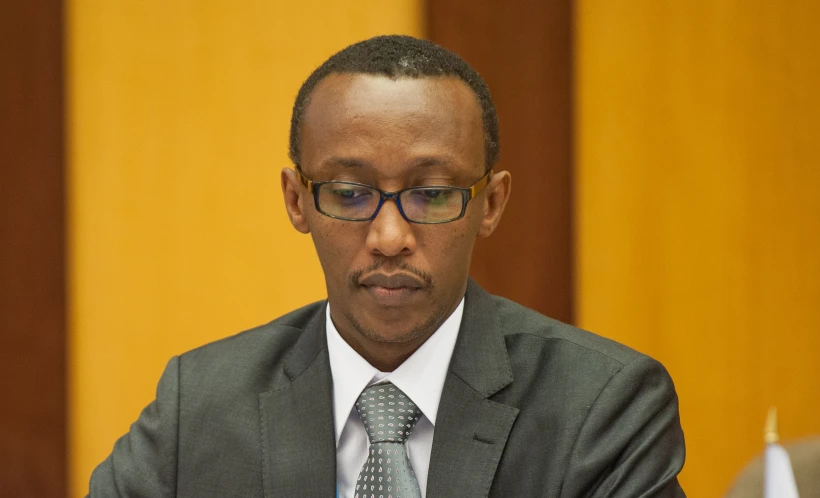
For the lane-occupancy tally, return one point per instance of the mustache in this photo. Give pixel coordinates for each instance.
(355, 278)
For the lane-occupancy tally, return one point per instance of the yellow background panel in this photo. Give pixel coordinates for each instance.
(698, 204)
(178, 121)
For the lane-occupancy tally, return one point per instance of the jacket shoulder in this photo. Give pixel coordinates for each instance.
(251, 356)
(518, 320)
(285, 325)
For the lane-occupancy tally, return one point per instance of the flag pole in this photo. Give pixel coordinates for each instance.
(778, 477)
(770, 434)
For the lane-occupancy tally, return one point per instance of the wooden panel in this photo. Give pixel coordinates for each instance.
(179, 120)
(32, 324)
(698, 206)
(523, 50)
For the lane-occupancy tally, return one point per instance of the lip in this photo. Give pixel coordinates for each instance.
(392, 281)
(391, 290)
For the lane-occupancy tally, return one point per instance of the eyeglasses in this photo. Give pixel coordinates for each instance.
(359, 202)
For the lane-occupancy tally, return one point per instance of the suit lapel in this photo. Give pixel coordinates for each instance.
(299, 450)
(472, 430)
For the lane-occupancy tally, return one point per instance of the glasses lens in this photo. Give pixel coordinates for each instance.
(346, 200)
(432, 204)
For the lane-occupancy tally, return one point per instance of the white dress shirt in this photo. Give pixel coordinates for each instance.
(420, 377)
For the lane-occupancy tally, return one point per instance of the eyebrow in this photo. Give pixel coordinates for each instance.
(432, 161)
(345, 162)
(350, 162)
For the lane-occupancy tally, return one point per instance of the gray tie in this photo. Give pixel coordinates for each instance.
(389, 417)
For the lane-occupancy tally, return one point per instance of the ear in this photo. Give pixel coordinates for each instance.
(295, 197)
(496, 195)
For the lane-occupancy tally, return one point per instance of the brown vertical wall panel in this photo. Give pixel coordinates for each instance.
(32, 324)
(523, 50)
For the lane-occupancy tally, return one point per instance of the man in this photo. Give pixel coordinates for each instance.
(410, 380)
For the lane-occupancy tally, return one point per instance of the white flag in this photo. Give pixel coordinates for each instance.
(778, 476)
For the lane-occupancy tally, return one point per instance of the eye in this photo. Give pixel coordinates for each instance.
(433, 195)
(349, 192)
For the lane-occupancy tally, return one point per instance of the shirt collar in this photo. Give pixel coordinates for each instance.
(421, 376)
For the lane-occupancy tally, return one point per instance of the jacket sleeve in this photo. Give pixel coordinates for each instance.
(631, 443)
(144, 461)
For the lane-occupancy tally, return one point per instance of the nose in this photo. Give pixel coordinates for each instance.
(390, 234)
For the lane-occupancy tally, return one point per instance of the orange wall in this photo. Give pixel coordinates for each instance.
(178, 122)
(698, 200)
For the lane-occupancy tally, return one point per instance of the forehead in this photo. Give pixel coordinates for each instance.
(380, 120)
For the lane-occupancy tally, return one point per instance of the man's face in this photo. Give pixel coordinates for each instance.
(390, 281)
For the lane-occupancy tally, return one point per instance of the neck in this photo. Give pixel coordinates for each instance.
(389, 357)
(385, 356)
(386, 353)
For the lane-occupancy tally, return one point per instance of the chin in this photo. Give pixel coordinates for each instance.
(394, 335)
(399, 331)
(406, 321)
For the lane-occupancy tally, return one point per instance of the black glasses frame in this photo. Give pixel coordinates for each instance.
(467, 193)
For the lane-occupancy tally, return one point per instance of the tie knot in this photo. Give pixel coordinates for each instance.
(387, 413)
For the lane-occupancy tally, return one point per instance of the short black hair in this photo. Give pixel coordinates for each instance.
(399, 56)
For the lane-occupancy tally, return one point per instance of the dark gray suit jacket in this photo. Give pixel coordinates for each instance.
(531, 408)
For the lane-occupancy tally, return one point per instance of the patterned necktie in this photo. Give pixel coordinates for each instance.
(389, 417)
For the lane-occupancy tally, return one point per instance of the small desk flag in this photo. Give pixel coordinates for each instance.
(778, 478)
